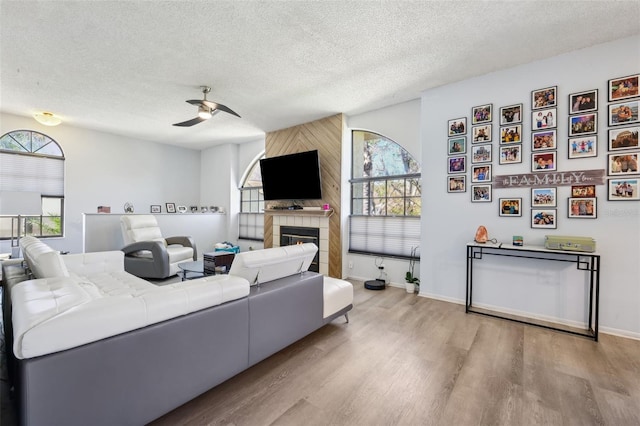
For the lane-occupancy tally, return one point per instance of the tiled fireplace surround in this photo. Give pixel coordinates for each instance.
(320, 222)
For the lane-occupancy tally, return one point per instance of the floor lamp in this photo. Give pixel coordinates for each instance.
(18, 204)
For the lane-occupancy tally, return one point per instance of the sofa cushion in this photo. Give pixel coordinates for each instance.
(337, 295)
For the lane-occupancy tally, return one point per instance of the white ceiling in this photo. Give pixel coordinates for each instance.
(127, 67)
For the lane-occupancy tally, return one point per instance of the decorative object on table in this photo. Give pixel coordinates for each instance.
(582, 102)
(582, 147)
(411, 281)
(482, 114)
(583, 124)
(543, 161)
(481, 193)
(128, 207)
(623, 87)
(457, 126)
(481, 133)
(623, 138)
(510, 207)
(226, 246)
(456, 183)
(482, 236)
(583, 208)
(544, 98)
(182, 209)
(569, 243)
(543, 197)
(511, 114)
(457, 145)
(511, 154)
(544, 119)
(104, 209)
(156, 208)
(326, 207)
(623, 189)
(624, 163)
(543, 218)
(171, 207)
(518, 240)
(624, 113)
(204, 209)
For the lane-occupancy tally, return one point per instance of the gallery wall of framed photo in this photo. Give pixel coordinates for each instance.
(471, 148)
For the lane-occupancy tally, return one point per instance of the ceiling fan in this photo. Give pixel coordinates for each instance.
(206, 109)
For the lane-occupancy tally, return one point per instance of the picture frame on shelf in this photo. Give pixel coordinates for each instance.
(583, 191)
(544, 98)
(621, 88)
(193, 209)
(582, 147)
(623, 189)
(156, 208)
(623, 163)
(481, 153)
(544, 218)
(624, 113)
(482, 114)
(543, 161)
(457, 183)
(582, 208)
(511, 114)
(481, 133)
(182, 209)
(457, 164)
(583, 124)
(481, 193)
(544, 140)
(582, 102)
(510, 154)
(623, 138)
(510, 207)
(457, 145)
(511, 134)
(171, 207)
(457, 126)
(544, 119)
(481, 173)
(543, 197)
(204, 209)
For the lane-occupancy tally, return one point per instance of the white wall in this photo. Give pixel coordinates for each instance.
(110, 170)
(400, 123)
(449, 221)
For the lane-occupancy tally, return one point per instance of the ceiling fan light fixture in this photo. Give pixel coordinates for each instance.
(47, 118)
(204, 113)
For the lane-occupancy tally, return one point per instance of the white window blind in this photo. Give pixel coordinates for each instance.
(32, 173)
(251, 226)
(384, 235)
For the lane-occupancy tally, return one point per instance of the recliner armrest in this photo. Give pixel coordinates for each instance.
(184, 241)
(157, 249)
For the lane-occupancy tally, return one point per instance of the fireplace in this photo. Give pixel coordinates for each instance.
(292, 235)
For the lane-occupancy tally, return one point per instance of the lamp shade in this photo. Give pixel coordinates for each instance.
(20, 203)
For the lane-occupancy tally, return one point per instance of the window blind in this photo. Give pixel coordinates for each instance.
(251, 226)
(32, 173)
(384, 235)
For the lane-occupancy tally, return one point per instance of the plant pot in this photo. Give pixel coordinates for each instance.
(410, 287)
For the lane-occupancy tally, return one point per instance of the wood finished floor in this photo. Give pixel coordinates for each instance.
(408, 360)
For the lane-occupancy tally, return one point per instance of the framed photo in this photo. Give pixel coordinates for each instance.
(544, 98)
(623, 189)
(458, 164)
(582, 102)
(543, 197)
(623, 113)
(481, 153)
(511, 154)
(156, 208)
(482, 114)
(625, 138)
(457, 126)
(582, 147)
(481, 193)
(171, 207)
(543, 218)
(583, 124)
(510, 207)
(543, 119)
(458, 145)
(544, 140)
(481, 133)
(456, 183)
(543, 161)
(583, 191)
(481, 174)
(623, 164)
(511, 134)
(511, 114)
(583, 208)
(194, 209)
(623, 87)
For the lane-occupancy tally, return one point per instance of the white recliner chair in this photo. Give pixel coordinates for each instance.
(147, 254)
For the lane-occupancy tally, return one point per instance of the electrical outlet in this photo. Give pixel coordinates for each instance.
(350, 265)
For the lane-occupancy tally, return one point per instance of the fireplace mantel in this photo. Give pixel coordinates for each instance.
(300, 212)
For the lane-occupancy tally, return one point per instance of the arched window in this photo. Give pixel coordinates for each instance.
(251, 219)
(385, 197)
(32, 163)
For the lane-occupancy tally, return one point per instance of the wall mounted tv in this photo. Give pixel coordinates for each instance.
(292, 177)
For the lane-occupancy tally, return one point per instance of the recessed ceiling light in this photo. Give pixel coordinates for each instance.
(47, 118)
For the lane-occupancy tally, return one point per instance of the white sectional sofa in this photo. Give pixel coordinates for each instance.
(92, 344)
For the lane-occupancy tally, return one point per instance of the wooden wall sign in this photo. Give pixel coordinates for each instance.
(575, 177)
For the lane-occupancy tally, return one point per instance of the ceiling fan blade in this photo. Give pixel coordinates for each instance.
(220, 107)
(191, 122)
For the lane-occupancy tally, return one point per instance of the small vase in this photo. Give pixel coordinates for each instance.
(411, 287)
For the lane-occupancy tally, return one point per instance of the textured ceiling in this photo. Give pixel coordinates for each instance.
(127, 67)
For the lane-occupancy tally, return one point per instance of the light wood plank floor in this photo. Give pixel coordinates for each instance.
(408, 360)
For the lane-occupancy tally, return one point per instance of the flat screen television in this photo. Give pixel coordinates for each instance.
(292, 177)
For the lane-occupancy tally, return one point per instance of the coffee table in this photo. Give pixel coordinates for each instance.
(191, 270)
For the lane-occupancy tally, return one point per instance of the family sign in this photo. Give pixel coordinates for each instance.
(576, 177)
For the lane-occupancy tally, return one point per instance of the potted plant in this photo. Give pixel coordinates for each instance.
(411, 281)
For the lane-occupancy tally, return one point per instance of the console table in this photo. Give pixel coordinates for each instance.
(589, 262)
